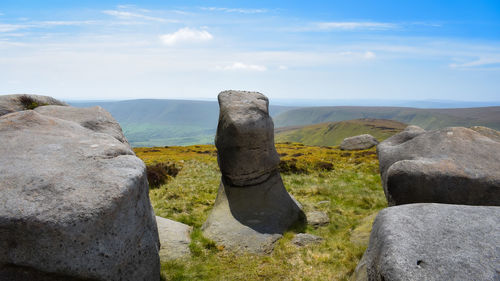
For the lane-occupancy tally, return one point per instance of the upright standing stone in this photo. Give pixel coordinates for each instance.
(253, 208)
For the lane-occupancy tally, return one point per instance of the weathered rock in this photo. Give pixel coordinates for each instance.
(245, 138)
(304, 239)
(433, 242)
(453, 165)
(358, 142)
(488, 132)
(19, 102)
(252, 208)
(94, 118)
(73, 204)
(317, 218)
(174, 239)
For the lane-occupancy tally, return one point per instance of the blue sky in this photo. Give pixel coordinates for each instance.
(403, 50)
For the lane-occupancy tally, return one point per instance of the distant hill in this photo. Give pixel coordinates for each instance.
(160, 122)
(332, 133)
(426, 118)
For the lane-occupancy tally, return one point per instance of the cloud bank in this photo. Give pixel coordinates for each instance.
(186, 35)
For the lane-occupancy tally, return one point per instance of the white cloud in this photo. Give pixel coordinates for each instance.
(42, 24)
(355, 25)
(481, 63)
(369, 55)
(235, 10)
(10, 27)
(186, 35)
(243, 66)
(282, 67)
(64, 23)
(131, 15)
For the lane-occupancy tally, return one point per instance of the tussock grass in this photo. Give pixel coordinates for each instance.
(348, 190)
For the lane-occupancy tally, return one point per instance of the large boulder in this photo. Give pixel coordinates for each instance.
(252, 208)
(360, 142)
(454, 165)
(19, 102)
(74, 204)
(433, 242)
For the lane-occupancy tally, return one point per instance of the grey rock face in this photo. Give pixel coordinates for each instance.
(317, 218)
(304, 239)
(252, 208)
(453, 165)
(174, 239)
(245, 138)
(358, 142)
(73, 204)
(94, 118)
(14, 103)
(433, 242)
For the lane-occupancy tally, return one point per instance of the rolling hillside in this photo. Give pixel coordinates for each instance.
(332, 133)
(160, 122)
(426, 118)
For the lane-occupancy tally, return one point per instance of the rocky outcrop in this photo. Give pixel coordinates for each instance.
(252, 208)
(174, 239)
(19, 102)
(433, 242)
(453, 165)
(74, 203)
(358, 142)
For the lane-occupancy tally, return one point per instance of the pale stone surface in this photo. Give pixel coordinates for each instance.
(19, 102)
(358, 142)
(304, 239)
(174, 239)
(317, 218)
(94, 118)
(488, 132)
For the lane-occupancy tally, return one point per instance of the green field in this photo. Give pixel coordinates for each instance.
(349, 191)
(425, 118)
(333, 133)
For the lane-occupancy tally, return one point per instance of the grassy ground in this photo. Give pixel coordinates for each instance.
(333, 133)
(349, 191)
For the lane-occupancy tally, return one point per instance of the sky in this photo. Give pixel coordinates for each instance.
(403, 50)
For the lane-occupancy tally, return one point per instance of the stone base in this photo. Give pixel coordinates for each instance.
(253, 218)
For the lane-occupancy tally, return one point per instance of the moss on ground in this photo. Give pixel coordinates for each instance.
(349, 190)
